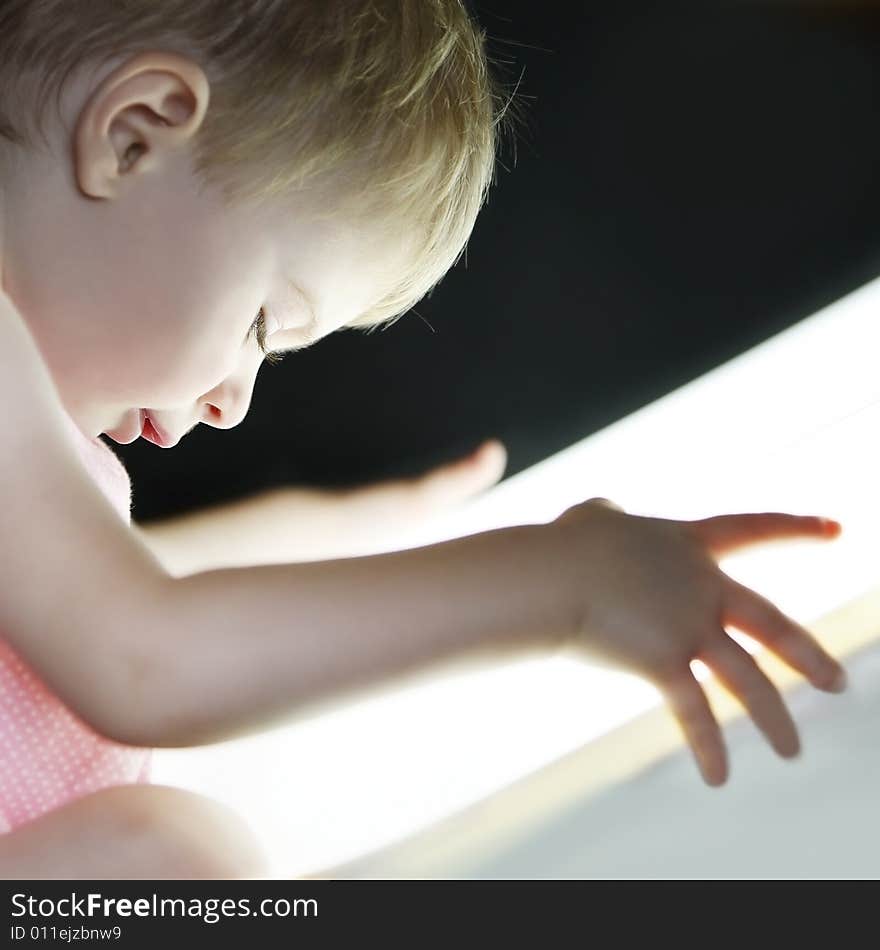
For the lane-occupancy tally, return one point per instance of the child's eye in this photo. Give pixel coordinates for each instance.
(258, 329)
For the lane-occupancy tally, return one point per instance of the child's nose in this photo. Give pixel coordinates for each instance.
(225, 406)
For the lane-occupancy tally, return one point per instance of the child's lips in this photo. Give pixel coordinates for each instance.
(144, 427)
(124, 435)
(152, 433)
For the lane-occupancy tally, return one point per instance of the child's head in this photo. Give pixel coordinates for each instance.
(323, 160)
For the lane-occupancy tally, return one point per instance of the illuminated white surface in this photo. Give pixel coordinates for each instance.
(814, 818)
(787, 426)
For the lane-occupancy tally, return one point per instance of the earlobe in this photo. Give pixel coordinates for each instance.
(146, 108)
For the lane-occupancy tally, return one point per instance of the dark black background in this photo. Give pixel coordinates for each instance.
(692, 179)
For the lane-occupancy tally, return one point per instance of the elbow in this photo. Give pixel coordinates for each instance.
(123, 705)
(133, 690)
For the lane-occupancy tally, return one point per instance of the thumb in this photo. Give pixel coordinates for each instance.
(724, 533)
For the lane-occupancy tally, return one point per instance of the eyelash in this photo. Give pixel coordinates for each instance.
(258, 330)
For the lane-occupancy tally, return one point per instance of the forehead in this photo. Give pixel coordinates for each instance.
(341, 266)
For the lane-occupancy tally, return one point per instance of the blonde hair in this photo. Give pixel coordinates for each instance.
(394, 96)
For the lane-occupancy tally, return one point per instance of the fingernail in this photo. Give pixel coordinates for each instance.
(839, 683)
(791, 751)
(712, 776)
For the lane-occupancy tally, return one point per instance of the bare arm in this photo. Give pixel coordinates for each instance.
(71, 572)
(152, 660)
(248, 646)
(279, 526)
(296, 523)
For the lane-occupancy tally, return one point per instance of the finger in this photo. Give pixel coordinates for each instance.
(759, 618)
(458, 480)
(690, 707)
(738, 671)
(490, 456)
(491, 453)
(483, 465)
(724, 533)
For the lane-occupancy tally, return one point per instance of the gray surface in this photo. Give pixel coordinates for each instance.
(817, 816)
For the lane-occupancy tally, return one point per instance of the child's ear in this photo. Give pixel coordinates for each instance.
(147, 108)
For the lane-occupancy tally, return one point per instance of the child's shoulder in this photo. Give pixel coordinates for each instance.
(31, 405)
(27, 385)
(33, 419)
(67, 552)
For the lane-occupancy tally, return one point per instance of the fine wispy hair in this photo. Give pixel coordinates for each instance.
(395, 99)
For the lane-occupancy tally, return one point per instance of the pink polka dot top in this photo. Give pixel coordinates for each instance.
(48, 755)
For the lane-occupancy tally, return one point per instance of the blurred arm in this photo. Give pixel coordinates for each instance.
(293, 524)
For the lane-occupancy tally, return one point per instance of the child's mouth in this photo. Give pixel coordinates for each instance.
(150, 433)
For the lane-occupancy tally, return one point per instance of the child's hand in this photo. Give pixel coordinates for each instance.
(655, 599)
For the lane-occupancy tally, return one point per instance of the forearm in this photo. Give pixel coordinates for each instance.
(279, 526)
(248, 647)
